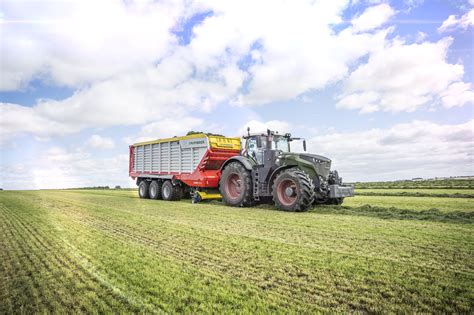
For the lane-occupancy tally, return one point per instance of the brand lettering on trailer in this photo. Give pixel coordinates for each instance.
(193, 143)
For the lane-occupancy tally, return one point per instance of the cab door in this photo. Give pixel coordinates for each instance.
(255, 149)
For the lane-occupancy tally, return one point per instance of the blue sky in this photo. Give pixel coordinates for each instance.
(384, 88)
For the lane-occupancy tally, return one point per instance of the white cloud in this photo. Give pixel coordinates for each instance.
(373, 17)
(257, 126)
(81, 41)
(401, 77)
(100, 142)
(458, 94)
(57, 167)
(453, 22)
(416, 149)
(167, 128)
(129, 69)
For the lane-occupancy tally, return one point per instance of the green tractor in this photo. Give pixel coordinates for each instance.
(267, 171)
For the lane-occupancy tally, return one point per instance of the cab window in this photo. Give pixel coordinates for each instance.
(254, 151)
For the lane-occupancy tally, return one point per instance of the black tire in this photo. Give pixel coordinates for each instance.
(155, 190)
(143, 189)
(171, 192)
(293, 190)
(336, 201)
(235, 185)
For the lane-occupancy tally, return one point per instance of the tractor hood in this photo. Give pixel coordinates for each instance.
(320, 164)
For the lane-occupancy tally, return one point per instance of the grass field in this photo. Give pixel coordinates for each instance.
(449, 193)
(422, 184)
(103, 251)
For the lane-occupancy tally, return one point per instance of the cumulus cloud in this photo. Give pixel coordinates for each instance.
(416, 149)
(76, 42)
(403, 77)
(454, 22)
(128, 67)
(166, 128)
(373, 17)
(100, 142)
(257, 126)
(458, 94)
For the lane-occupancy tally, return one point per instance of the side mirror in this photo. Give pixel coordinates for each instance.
(304, 145)
(259, 142)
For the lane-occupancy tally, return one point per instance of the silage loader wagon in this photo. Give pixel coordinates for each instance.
(179, 167)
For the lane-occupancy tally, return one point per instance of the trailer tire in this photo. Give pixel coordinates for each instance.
(155, 190)
(171, 192)
(293, 190)
(143, 189)
(235, 185)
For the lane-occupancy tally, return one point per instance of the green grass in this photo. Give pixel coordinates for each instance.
(423, 184)
(413, 203)
(108, 251)
(449, 193)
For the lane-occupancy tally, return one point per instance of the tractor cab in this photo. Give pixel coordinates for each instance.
(273, 143)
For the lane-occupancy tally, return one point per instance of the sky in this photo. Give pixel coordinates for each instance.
(383, 88)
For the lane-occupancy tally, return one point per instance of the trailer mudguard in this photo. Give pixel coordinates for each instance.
(247, 163)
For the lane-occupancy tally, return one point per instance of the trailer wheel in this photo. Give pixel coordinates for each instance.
(235, 185)
(171, 192)
(155, 190)
(293, 190)
(143, 189)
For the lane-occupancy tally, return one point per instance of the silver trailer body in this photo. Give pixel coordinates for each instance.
(176, 155)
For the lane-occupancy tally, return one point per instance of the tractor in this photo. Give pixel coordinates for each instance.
(267, 171)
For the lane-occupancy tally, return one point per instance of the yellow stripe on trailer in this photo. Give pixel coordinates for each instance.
(217, 142)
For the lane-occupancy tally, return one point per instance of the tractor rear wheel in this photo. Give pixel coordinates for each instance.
(293, 190)
(155, 190)
(143, 189)
(171, 192)
(235, 185)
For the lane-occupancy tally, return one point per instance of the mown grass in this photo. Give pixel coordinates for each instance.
(422, 184)
(413, 203)
(447, 193)
(108, 251)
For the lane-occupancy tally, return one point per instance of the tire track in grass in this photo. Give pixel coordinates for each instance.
(29, 266)
(284, 286)
(86, 205)
(215, 270)
(200, 258)
(9, 265)
(277, 227)
(223, 266)
(64, 263)
(171, 276)
(73, 265)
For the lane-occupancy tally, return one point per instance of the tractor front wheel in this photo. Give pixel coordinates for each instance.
(235, 185)
(293, 190)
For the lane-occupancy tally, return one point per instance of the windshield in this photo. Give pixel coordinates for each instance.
(280, 143)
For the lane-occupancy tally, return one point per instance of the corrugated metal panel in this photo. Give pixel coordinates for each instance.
(181, 156)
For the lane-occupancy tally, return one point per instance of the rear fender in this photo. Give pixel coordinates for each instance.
(241, 159)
